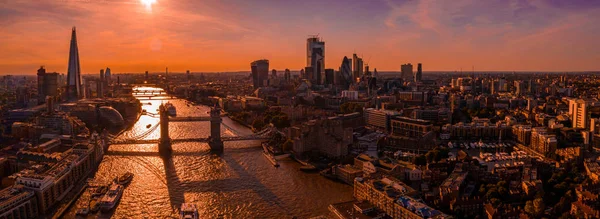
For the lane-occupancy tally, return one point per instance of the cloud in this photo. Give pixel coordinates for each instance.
(227, 35)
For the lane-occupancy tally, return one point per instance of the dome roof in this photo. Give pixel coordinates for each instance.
(111, 115)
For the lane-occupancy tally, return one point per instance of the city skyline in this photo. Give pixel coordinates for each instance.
(135, 36)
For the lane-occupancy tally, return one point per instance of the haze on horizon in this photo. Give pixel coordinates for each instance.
(226, 35)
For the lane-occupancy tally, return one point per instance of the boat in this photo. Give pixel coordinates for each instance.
(271, 159)
(112, 197)
(171, 109)
(188, 211)
(124, 179)
(148, 126)
(82, 212)
(308, 168)
(100, 191)
(328, 174)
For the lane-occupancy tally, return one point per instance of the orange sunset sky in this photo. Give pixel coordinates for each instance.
(226, 35)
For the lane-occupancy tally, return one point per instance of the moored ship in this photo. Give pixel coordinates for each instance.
(124, 179)
(112, 197)
(188, 211)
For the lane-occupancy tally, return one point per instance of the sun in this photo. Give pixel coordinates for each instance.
(148, 3)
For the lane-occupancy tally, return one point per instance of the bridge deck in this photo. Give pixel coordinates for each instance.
(189, 119)
(180, 140)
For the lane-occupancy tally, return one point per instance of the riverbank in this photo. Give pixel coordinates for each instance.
(64, 209)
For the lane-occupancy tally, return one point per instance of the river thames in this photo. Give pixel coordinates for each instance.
(240, 183)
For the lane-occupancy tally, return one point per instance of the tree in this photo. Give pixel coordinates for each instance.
(320, 102)
(482, 189)
(420, 160)
(258, 124)
(381, 143)
(538, 207)
(502, 191)
(288, 145)
(350, 108)
(484, 113)
(430, 155)
(529, 209)
(281, 121)
(492, 193)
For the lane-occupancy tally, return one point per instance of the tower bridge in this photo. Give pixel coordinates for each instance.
(215, 141)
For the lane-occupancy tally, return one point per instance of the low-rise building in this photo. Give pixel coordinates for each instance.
(253, 103)
(450, 188)
(477, 130)
(592, 168)
(379, 119)
(327, 136)
(391, 196)
(16, 202)
(346, 173)
(542, 141)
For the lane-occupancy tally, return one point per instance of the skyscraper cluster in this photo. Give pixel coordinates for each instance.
(103, 83)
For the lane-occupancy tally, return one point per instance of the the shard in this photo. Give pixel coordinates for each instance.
(74, 91)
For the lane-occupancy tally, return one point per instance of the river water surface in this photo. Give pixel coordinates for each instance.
(240, 183)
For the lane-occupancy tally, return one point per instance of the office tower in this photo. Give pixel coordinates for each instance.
(74, 90)
(47, 84)
(274, 73)
(531, 87)
(260, 72)
(107, 76)
(86, 90)
(407, 72)
(367, 72)
(40, 82)
(187, 74)
(254, 69)
(531, 104)
(519, 87)
(308, 73)
(493, 86)
(146, 76)
(345, 76)
(419, 73)
(317, 71)
(49, 105)
(315, 58)
(100, 85)
(375, 74)
(287, 75)
(578, 110)
(502, 86)
(371, 86)
(329, 73)
(357, 67)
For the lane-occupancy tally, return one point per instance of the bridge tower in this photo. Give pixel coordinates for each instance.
(215, 142)
(164, 144)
